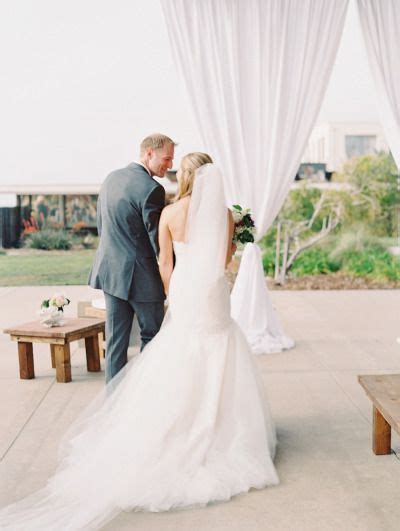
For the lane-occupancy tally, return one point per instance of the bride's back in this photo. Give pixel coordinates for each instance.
(176, 218)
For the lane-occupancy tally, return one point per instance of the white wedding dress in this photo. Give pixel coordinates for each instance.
(184, 423)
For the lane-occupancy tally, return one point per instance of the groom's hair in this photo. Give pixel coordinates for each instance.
(155, 141)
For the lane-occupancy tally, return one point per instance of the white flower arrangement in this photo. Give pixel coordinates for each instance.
(52, 310)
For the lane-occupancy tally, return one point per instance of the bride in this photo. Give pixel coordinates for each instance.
(185, 422)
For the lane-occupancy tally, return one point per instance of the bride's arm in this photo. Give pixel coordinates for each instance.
(231, 248)
(166, 256)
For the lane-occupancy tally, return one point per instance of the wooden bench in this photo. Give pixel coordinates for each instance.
(384, 391)
(59, 339)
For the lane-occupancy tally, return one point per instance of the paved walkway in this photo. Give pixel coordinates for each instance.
(330, 480)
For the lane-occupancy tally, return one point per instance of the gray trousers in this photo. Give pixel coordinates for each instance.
(119, 320)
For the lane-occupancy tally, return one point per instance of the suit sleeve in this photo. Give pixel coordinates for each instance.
(152, 208)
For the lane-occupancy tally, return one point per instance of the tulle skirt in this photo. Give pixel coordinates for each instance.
(183, 424)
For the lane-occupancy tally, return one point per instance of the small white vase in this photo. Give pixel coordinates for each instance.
(51, 317)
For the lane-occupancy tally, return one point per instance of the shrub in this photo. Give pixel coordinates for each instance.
(314, 261)
(374, 263)
(269, 261)
(269, 240)
(300, 203)
(356, 240)
(49, 239)
(359, 253)
(356, 253)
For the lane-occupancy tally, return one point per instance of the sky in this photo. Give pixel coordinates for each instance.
(83, 81)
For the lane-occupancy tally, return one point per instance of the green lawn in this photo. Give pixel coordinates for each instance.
(45, 268)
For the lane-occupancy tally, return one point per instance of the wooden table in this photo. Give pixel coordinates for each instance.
(90, 311)
(384, 392)
(59, 338)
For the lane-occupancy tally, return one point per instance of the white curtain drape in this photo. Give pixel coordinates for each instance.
(380, 22)
(255, 72)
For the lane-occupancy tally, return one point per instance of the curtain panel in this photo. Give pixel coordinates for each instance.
(380, 22)
(255, 73)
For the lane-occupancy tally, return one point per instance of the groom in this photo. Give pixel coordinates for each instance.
(125, 266)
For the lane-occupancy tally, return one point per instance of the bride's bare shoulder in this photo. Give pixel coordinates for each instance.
(183, 203)
(179, 206)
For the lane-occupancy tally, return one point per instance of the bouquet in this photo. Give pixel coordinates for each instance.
(244, 225)
(52, 310)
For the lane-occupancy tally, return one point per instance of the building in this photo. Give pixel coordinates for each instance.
(335, 143)
(60, 206)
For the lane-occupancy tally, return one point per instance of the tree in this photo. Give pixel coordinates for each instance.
(308, 216)
(375, 193)
(367, 203)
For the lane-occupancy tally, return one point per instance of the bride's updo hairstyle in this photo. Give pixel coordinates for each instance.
(190, 163)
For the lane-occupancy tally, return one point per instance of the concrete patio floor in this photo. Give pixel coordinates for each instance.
(330, 479)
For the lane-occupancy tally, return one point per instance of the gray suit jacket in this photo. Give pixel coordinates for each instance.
(128, 212)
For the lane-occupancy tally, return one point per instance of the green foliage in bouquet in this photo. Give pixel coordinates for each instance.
(244, 225)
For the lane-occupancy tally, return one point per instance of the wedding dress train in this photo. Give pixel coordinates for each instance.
(183, 424)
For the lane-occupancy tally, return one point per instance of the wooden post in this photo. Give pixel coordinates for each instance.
(92, 353)
(63, 363)
(381, 435)
(53, 356)
(26, 366)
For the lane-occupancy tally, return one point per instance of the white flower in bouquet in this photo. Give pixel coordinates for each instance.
(237, 216)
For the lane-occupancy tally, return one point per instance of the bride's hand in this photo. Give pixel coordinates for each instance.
(166, 257)
(231, 247)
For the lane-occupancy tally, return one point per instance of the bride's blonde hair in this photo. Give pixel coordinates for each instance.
(190, 163)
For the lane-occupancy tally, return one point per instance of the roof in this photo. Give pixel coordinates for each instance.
(50, 189)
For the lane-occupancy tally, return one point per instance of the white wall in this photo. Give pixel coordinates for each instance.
(332, 137)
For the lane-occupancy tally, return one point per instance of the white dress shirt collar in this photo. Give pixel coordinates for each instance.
(141, 164)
